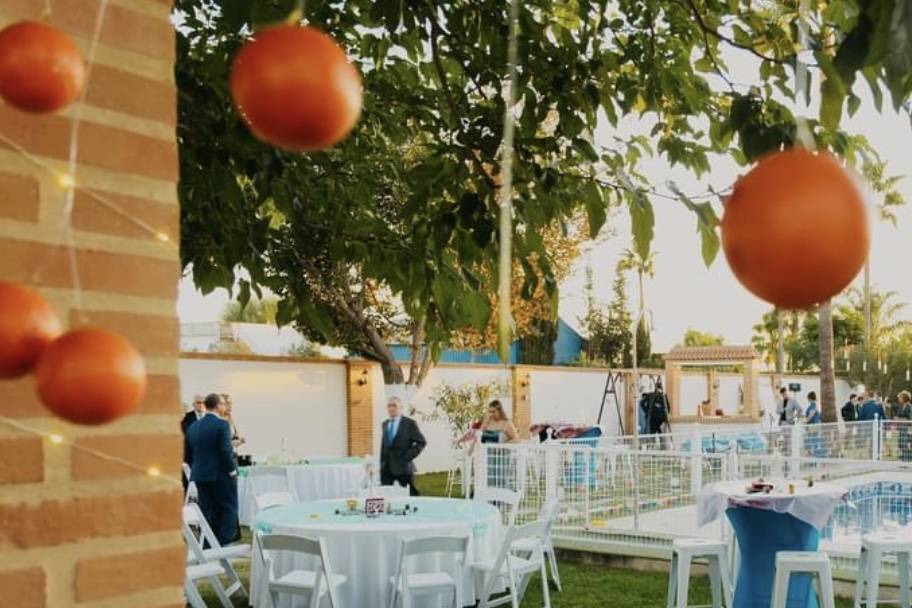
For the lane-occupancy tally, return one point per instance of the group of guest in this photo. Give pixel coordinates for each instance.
(868, 407)
(210, 443)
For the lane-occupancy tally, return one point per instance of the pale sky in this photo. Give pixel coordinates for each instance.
(684, 293)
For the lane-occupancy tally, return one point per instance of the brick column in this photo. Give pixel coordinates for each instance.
(359, 407)
(751, 387)
(75, 528)
(521, 381)
(673, 388)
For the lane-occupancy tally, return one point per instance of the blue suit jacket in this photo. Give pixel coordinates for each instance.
(869, 409)
(209, 450)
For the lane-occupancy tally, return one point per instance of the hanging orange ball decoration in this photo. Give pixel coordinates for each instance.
(28, 324)
(295, 88)
(795, 229)
(91, 376)
(41, 69)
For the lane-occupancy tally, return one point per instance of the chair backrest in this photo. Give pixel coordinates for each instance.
(413, 547)
(194, 517)
(549, 511)
(434, 544)
(500, 497)
(393, 491)
(268, 479)
(536, 530)
(272, 499)
(304, 546)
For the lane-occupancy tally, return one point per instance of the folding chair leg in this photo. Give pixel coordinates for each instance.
(552, 561)
(546, 591)
(233, 578)
(193, 596)
(220, 592)
(514, 591)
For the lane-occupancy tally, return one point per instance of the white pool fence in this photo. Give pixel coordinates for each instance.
(634, 495)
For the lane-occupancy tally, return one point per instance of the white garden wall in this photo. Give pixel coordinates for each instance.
(300, 405)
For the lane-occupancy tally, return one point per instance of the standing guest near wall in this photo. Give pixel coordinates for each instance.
(812, 413)
(789, 409)
(213, 469)
(236, 439)
(848, 409)
(401, 445)
(871, 409)
(197, 411)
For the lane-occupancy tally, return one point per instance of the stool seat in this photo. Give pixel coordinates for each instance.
(683, 552)
(803, 562)
(873, 548)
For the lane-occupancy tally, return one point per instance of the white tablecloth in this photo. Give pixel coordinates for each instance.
(309, 482)
(812, 505)
(367, 550)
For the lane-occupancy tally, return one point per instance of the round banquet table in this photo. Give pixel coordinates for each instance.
(366, 550)
(767, 523)
(315, 479)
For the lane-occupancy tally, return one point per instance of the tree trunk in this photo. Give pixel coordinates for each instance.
(392, 371)
(827, 373)
(780, 347)
(867, 307)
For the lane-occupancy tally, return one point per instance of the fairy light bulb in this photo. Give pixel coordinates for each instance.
(162, 237)
(153, 471)
(55, 438)
(66, 181)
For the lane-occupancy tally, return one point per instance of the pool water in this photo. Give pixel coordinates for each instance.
(869, 507)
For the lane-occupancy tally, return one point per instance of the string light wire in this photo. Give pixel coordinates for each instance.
(69, 183)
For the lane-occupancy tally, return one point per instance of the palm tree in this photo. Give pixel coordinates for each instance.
(631, 260)
(827, 371)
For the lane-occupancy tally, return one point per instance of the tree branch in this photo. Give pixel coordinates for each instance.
(731, 42)
(450, 99)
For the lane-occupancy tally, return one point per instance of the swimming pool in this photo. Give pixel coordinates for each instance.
(870, 506)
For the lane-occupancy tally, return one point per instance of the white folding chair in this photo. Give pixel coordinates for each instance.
(406, 584)
(272, 499)
(314, 584)
(192, 494)
(515, 570)
(204, 548)
(500, 497)
(547, 514)
(393, 491)
(197, 572)
(198, 568)
(270, 486)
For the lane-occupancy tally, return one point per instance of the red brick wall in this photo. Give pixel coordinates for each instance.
(75, 529)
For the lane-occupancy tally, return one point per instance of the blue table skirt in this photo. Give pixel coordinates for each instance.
(761, 534)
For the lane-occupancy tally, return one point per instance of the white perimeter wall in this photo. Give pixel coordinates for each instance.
(574, 396)
(300, 403)
(303, 403)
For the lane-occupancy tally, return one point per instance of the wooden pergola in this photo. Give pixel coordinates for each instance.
(713, 356)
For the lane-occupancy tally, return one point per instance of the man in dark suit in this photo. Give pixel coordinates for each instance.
(212, 464)
(402, 442)
(196, 412)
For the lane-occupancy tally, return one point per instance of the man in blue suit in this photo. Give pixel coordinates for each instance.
(871, 408)
(213, 468)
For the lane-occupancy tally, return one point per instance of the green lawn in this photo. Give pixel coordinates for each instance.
(585, 585)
